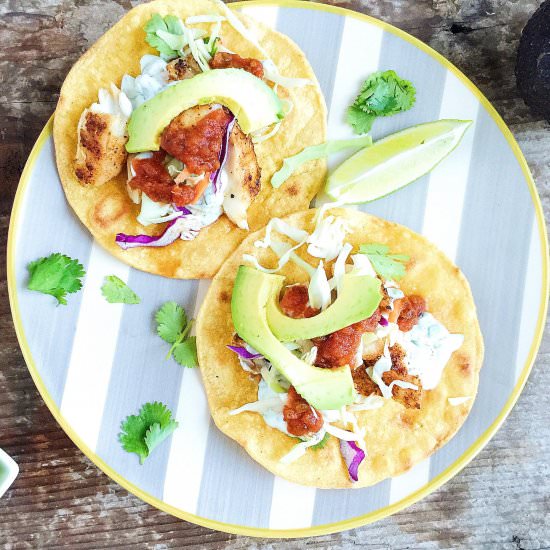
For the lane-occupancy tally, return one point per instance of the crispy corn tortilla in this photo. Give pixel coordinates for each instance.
(396, 438)
(107, 210)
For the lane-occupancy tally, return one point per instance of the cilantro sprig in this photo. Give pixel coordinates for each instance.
(174, 327)
(165, 34)
(383, 93)
(388, 266)
(116, 291)
(321, 443)
(141, 434)
(57, 275)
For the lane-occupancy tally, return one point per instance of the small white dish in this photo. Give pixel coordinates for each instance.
(8, 471)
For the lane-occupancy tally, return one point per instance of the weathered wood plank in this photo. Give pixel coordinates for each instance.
(61, 500)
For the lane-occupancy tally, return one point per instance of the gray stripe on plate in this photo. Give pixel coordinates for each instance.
(407, 206)
(320, 40)
(494, 261)
(228, 470)
(240, 474)
(49, 329)
(336, 505)
(141, 374)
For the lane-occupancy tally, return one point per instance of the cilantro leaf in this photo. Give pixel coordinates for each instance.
(117, 291)
(185, 353)
(321, 443)
(383, 93)
(156, 435)
(57, 275)
(171, 321)
(360, 120)
(165, 34)
(142, 433)
(388, 266)
(317, 446)
(173, 327)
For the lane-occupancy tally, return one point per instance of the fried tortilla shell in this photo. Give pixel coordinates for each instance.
(107, 209)
(397, 437)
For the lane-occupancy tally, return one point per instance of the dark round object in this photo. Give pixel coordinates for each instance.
(533, 62)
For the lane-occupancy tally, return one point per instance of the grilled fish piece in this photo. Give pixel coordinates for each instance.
(100, 153)
(243, 177)
(182, 68)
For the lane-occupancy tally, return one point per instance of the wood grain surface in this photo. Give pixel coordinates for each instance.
(60, 499)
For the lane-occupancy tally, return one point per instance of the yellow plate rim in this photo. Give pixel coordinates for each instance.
(371, 517)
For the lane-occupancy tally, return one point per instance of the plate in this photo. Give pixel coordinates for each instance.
(94, 363)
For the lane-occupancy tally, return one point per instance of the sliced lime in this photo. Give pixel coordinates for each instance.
(394, 161)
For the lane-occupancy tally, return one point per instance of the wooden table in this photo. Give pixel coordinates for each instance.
(502, 500)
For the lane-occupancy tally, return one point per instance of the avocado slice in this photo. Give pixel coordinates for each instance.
(250, 99)
(358, 300)
(321, 388)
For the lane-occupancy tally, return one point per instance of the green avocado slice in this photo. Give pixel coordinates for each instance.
(358, 300)
(250, 99)
(322, 388)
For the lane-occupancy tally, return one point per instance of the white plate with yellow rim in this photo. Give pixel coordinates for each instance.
(94, 363)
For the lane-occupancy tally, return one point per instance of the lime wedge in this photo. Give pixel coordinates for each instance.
(394, 161)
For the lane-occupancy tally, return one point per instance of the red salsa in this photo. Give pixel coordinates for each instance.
(223, 60)
(300, 417)
(340, 347)
(153, 178)
(197, 146)
(295, 302)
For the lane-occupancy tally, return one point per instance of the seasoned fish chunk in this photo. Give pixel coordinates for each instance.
(243, 175)
(100, 153)
(182, 68)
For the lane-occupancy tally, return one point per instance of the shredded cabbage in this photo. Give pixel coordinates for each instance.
(214, 37)
(274, 380)
(362, 265)
(174, 167)
(152, 80)
(383, 365)
(319, 289)
(369, 403)
(327, 240)
(280, 248)
(236, 23)
(455, 401)
(155, 212)
(259, 136)
(339, 268)
(333, 233)
(282, 227)
(271, 72)
(199, 57)
(273, 403)
(194, 19)
(291, 164)
(297, 235)
(345, 435)
(300, 449)
(310, 356)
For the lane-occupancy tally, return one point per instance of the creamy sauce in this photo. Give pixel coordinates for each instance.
(429, 346)
(272, 417)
